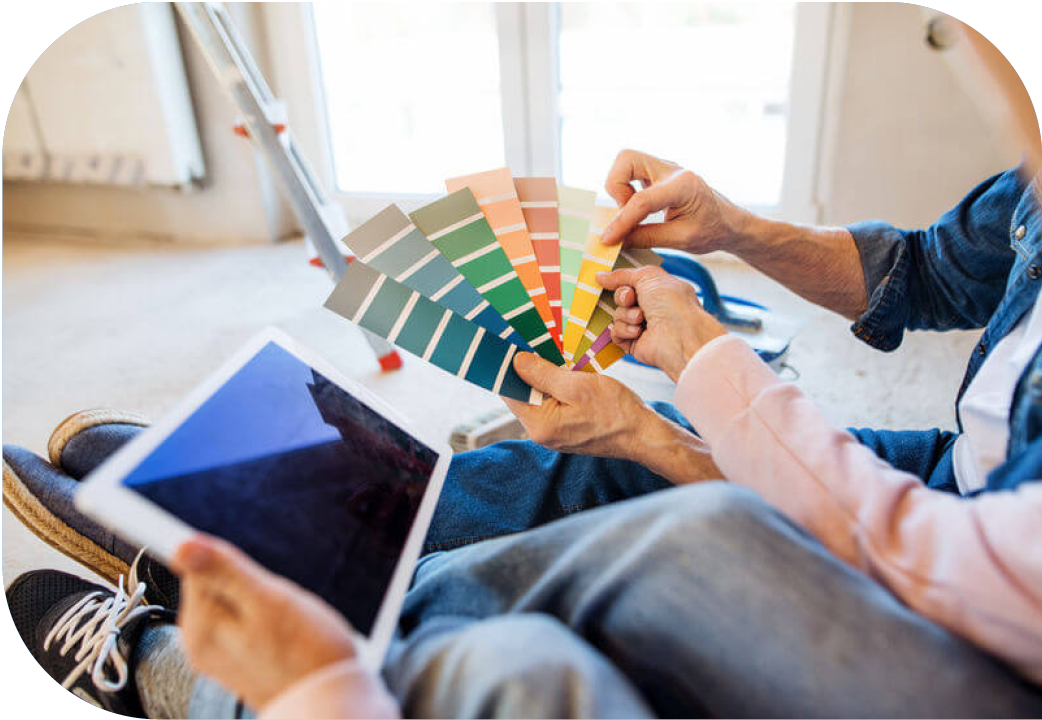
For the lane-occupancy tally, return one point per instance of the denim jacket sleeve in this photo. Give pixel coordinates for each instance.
(951, 275)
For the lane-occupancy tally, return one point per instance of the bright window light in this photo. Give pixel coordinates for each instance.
(412, 93)
(703, 84)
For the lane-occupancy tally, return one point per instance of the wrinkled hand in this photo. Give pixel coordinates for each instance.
(658, 318)
(697, 218)
(582, 412)
(252, 631)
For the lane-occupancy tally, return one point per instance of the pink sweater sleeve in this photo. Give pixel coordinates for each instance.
(342, 690)
(972, 565)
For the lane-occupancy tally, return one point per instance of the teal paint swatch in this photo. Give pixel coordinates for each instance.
(403, 316)
(390, 243)
(456, 226)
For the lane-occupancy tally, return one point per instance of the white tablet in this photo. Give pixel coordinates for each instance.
(304, 470)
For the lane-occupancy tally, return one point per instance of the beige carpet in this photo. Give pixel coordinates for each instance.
(133, 326)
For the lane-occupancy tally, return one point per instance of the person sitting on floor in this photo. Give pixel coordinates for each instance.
(870, 573)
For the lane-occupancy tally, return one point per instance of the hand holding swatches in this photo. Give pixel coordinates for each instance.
(659, 319)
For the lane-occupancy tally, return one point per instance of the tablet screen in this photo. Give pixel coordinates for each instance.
(306, 479)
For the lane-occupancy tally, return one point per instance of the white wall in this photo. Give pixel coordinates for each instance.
(237, 201)
(909, 141)
(110, 105)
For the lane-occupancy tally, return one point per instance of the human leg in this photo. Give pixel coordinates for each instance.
(712, 603)
(520, 665)
(513, 486)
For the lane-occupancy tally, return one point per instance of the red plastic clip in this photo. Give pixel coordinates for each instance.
(390, 361)
(317, 261)
(240, 129)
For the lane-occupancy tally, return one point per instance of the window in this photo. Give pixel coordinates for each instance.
(417, 92)
(412, 93)
(704, 84)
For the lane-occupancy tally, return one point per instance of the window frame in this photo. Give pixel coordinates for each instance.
(529, 81)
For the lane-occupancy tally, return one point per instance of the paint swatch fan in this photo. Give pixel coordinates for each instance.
(497, 266)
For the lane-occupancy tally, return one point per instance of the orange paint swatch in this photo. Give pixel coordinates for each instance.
(538, 198)
(497, 197)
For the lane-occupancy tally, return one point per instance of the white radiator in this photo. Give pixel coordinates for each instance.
(107, 103)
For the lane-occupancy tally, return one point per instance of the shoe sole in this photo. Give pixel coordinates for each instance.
(52, 530)
(84, 420)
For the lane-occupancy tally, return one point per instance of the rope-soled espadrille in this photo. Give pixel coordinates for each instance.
(81, 422)
(41, 495)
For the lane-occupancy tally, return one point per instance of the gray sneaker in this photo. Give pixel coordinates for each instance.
(84, 635)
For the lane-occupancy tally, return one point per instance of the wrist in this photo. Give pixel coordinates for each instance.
(736, 230)
(643, 434)
(676, 453)
(748, 232)
(650, 437)
(692, 339)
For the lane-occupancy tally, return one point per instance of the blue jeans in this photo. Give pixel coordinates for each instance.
(684, 601)
(706, 598)
(514, 486)
(517, 665)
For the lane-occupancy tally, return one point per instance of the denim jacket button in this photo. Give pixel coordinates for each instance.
(1035, 272)
(1020, 232)
(982, 348)
(1035, 380)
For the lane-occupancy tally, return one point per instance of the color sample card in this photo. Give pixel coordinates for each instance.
(602, 341)
(538, 198)
(424, 328)
(497, 197)
(574, 213)
(603, 314)
(456, 226)
(596, 258)
(390, 243)
(603, 358)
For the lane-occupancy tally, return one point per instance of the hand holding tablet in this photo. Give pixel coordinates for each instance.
(302, 470)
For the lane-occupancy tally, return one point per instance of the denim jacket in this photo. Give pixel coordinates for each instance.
(979, 265)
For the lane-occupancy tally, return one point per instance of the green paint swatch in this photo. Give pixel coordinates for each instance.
(574, 213)
(456, 226)
(390, 243)
(420, 326)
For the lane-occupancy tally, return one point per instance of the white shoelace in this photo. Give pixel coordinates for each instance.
(95, 639)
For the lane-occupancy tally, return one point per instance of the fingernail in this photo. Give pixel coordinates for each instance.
(193, 556)
(523, 360)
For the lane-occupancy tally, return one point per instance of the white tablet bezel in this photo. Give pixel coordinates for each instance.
(133, 517)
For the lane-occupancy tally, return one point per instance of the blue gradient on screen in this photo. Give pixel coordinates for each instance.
(307, 480)
(259, 411)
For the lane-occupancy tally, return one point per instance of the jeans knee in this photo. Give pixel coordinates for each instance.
(726, 501)
(713, 502)
(526, 665)
(719, 509)
(525, 642)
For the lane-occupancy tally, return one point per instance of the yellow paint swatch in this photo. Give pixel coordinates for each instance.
(608, 356)
(596, 258)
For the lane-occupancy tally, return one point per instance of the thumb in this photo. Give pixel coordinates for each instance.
(617, 278)
(544, 375)
(214, 562)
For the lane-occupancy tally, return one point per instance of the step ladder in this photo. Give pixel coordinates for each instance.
(264, 121)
